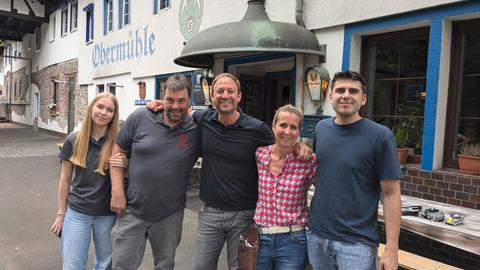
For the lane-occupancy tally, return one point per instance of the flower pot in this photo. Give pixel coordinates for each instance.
(469, 164)
(402, 154)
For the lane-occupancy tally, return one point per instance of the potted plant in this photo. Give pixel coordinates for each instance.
(469, 158)
(401, 132)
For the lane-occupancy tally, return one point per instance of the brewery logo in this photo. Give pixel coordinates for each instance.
(190, 17)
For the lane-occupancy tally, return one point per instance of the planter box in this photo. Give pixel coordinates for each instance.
(469, 164)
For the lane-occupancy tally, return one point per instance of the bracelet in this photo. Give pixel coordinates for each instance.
(60, 214)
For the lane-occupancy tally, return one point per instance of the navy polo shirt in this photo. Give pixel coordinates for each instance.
(161, 159)
(90, 193)
(229, 172)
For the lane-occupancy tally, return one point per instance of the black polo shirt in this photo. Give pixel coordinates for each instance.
(229, 172)
(90, 193)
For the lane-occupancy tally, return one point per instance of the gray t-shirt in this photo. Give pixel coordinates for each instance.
(90, 193)
(352, 160)
(161, 159)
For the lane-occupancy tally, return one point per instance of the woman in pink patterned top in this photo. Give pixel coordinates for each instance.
(283, 182)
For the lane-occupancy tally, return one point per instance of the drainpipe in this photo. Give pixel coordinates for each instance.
(299, 13)
(299, 61)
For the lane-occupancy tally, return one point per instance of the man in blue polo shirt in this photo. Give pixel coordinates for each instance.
(163, 147)
(356, 160)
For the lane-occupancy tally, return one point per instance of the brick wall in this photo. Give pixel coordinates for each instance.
(434, 250)
(443, 186)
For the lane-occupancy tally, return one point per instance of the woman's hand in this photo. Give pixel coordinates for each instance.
(58, 224)
(118, 160)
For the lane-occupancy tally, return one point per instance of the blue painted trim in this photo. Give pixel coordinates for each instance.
(105, 11)
(120, 14)
(155, 93)
(88, 7)
(155, 6)
(434, 17)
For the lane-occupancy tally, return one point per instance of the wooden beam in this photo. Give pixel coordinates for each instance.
(12, 38)
(24, 17)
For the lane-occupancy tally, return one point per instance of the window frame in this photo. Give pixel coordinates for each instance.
(458, 28)
(127, 13)
(90, 26)
(109, 16)
(73, 16)
(53, 28)
(38, 38)
(64, 21)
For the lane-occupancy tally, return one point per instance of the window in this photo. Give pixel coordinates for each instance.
(395, 65)
(64, 24)
(159, 5)
(73, 16)
(38, 36)
(29, 42)
(111, 88)
(108, 18)
(89, 21)
(163, 4)
(100, 88)
(53, 26)
(126, 12)
(463, 110)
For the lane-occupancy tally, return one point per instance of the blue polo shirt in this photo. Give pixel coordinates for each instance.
(229, 173)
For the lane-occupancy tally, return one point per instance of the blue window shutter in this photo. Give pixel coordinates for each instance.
(93, 25)
(105, 13)
(155, 6)
(120, 14)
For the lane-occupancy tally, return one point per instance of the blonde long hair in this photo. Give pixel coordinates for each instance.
(80, 148)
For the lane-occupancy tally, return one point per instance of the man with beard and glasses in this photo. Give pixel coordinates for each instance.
(163, 147)
(229, 177)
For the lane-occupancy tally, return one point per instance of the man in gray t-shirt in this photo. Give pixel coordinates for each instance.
(163, 147)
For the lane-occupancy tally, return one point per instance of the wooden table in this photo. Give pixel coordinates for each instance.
(465, 236)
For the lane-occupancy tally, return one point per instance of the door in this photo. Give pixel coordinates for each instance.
(279, 91)
(253, 96)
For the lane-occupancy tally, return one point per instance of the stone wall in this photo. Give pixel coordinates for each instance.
(445, 186)
(65, 73)
(16, 89)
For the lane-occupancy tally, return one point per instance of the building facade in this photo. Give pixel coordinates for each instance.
(420, 58)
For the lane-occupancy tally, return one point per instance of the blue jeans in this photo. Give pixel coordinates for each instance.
(282, 251)
(77, 231)
(327, 254)
(214, 228)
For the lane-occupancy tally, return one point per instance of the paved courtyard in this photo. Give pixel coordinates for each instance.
(29, 172)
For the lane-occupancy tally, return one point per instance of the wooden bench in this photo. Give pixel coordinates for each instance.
(410, 261)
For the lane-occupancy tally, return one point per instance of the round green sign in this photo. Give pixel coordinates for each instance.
(190, 17)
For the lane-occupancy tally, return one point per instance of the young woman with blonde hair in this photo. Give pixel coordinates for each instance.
(84, 209)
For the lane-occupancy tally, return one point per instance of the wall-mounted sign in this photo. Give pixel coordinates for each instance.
(190, 17)
(138, 44)
(142, 94)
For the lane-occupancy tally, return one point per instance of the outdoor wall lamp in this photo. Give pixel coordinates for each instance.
(317, 80)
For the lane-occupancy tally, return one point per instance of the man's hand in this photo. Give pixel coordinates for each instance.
(118, 203)
(303, 151)
(389, 260)
(155, 105)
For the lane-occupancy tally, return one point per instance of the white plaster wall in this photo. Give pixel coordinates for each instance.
(334, 12)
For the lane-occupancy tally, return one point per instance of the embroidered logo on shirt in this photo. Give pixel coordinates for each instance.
(182, 141)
